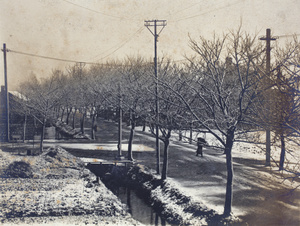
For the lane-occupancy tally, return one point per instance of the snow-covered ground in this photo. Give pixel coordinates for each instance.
(259, 192)
(204, 179)
(59, 191)
(261, 195)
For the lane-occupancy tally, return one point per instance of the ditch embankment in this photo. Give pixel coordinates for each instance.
(56, 188)
(163, 197)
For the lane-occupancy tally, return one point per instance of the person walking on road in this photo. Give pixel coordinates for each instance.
(200, 143)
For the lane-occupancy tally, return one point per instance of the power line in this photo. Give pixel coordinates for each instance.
(120, 45)
(201, 14)
(179, 11)
(74, 61)
(80, 63)
(102, 13)
(47, 57)
(284, 36)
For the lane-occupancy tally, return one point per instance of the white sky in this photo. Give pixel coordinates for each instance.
(98, 30)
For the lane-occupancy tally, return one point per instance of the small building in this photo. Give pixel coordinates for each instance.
(22, 126)
(3, 116)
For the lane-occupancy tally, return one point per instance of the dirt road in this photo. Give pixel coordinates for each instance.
(260, 196)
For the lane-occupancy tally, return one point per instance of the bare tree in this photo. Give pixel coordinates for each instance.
(80, 92)
(98, 82)
(285, 102)
(223, 81)
(67, 95)
(172, 114)
(136, 80)
(41, 98)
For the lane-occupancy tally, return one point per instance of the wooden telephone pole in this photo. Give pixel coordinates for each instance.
(155, 24)
(5, 99)
(119, 156)
(268, 40)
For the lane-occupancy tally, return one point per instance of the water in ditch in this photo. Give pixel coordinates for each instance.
(138, 207)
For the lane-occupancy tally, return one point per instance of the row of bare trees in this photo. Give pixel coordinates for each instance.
(222, 90)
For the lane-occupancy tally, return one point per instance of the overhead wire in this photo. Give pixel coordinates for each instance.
(49, 58)
(201, 14)
(285, 36)
(102, 13)
(120, 45)
(76, 61)
(181, 10)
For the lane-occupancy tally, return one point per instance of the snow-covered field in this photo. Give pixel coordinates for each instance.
(56, 190)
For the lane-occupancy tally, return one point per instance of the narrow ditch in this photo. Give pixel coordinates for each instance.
(137, 201)
(152, 201)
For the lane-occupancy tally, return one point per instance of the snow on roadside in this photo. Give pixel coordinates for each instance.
(96, 146)
(249, 172)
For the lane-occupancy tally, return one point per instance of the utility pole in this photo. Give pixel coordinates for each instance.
(6, 96)
(80, 65)
(155, 24)
(119, 156)
(268, 40)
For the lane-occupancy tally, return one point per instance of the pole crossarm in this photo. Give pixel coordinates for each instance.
(268, 38)
(155, 23)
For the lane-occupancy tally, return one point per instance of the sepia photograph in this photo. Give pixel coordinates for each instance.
(150, 112)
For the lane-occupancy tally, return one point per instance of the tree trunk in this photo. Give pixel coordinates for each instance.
(94, 126)
(128, 201)
(282, 154)
(191, 133)
(82, 123)
(73, 121)
(24, 127)
(229, 185)
(68, 115)
(42, 135)
(57, 112)
(120, 132)
(166, 153)
(54, 112)
(268, 147)
(62, 114)
(132, 131)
